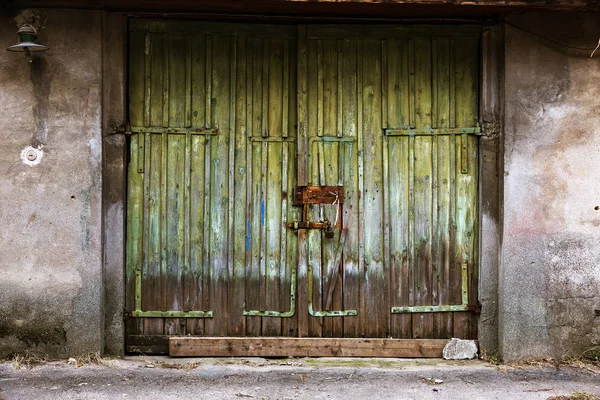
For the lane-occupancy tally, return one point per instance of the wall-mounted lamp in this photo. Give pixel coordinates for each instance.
(27, 36)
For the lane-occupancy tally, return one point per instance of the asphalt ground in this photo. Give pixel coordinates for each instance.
(147, 378)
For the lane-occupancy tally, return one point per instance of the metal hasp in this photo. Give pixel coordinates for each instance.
(318, 195)
(305, 195)
(279, 314)
(444, 308)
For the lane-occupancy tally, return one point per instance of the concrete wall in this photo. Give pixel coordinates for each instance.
(50, 211)
(550, 271)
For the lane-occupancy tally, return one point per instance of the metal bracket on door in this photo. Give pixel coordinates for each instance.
(462, 132)
(444, 308)
(160, 314)
(279, 314)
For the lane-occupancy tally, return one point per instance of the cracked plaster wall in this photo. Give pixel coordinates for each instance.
(50, 254)
(550, 266)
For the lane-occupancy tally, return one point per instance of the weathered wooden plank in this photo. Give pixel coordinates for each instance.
(176, 182)
(376, 294)
(152, 276)
(274, 281)
(362, 311)
(397, 186)
(466, 183)
(253, 189)
(219, 273)
(274, 287)
(175, 227)
(304, 347)
(197, 280)
(423, 170)
(385, 81)
(290, 248)
(349, 169)
(135, 182)
(315, 128)
(329, 165)
(332, 258)
(240, 233)
(442, 322)
(302, 177)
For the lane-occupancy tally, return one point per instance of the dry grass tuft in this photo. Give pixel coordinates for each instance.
(28, 359)
(94, 359)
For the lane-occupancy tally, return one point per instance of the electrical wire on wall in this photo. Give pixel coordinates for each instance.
(555, 41)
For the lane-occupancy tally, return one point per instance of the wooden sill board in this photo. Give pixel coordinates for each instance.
(304, 347)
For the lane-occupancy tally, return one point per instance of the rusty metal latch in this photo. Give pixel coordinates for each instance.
(318, 195)
(325, 225)
(305, 195)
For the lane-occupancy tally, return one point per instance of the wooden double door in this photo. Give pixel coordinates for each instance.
(303, 181)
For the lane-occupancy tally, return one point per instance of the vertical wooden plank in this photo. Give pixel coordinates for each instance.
(302, 81)
(188, 80)
(467, 56)
(422, 322)
(135, 231)
(137, 65)
(234, 307)
(273, 227)
(289, 326)
(196, 277)
(208, 116)
(198, 95)
(187, 277)
(175, 227)
(320, 89)
(348, 100)
(254, 120)
(385, 177)
(176, 97)
(362, 311)
(442, 323)
(376, 294)
(329, 175)
(135, 181)
(265, 88)
(285, 90)
(339, 91)
(397, 187)
(240, 233)
(152, 275)
(252, 218)
(219, 273)
(163, 182)
(315, 128)
(273, 200)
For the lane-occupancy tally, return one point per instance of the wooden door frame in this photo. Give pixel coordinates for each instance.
(114, 178)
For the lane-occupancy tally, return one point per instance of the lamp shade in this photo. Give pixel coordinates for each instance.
(27, 36)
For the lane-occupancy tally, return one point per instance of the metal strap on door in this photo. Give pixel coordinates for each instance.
(142, 138)
(464, 157)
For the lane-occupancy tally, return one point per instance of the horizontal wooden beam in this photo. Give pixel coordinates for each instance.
(304, 347)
